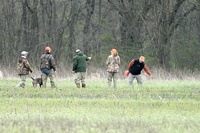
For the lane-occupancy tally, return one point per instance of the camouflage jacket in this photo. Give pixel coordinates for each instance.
(113, 63)
(49, 64)
(23, 67)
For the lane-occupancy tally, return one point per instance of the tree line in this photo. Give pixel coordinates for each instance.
(166, 32)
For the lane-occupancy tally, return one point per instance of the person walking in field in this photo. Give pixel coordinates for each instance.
(80, 67)
(48, 67)
(134, 69)
(113, 62)
(23, 68)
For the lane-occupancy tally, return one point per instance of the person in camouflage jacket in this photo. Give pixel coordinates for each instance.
(23, 68)
(48, 67)
(113, 62)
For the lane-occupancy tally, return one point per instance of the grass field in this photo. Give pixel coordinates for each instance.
(157, 106)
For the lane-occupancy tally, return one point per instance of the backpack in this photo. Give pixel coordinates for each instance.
(45, 62)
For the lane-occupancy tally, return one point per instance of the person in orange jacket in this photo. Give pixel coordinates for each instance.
(134, 69)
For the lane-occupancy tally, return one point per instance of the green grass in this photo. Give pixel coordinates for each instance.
(157, 106)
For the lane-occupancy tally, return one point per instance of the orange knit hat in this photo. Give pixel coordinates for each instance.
(113, 51)
(47, 49)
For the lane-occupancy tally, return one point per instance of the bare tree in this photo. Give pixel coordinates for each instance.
(90, 4)
(73, 20)
(131, 25)
(30, 24)
(171, 15)
(154, 28)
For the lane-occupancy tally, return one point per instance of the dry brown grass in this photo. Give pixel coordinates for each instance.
(94, 73)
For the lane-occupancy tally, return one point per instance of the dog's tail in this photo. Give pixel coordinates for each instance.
(32, 78)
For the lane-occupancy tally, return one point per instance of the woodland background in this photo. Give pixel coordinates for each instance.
(166, 32)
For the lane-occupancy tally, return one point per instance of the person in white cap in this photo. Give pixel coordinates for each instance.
(80, 67)
(23, 68)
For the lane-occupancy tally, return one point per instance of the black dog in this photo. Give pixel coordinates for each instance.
(37, 81)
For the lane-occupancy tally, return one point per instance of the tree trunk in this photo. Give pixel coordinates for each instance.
(86, 31)
(169, 20)
(71, 39)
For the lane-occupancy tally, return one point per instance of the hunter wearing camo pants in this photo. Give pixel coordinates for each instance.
(113, 62)
(23, 69)
(48, 68)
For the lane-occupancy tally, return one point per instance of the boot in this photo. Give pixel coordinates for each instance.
(78, 85)
(53, 86)
(22, 85)
(83, 85)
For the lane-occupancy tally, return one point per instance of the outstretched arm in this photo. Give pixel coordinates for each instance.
(147, 70)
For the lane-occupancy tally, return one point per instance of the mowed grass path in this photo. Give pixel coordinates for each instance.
(157, 106)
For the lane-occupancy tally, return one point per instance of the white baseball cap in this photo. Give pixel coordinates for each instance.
(78, 50)
(24, 52)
